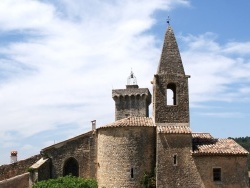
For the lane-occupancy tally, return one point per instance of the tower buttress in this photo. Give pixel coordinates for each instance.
(170, 85)
(132, 101)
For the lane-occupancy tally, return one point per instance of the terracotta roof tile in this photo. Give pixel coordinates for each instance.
(201, 139)
(131, 122)
(202, 135)
(174, 129)
(220, 147)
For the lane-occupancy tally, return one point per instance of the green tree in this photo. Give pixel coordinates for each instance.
(148, 180)
(245, 143)
(67, 182)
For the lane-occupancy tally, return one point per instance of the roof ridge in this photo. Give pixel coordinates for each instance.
(131, 121)
(223, 146)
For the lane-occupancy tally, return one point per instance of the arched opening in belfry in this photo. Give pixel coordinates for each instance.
(71, 167)
(171, 94)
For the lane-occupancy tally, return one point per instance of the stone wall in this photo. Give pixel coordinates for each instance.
(81, 148)
(20, 181)
(40, 171)
(164, 113)
(234, 172)
(124, 155)
(44, 171)
(179, 173)
(20, 167)
(132, 101)
(170, 75)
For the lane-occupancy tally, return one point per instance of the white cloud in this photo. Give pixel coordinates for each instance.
(232, 115)
(69, 57)
(24, 14)
(217, 74)
(241, 48)
(72, 53)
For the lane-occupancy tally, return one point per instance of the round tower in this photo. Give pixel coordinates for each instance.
(126, 151)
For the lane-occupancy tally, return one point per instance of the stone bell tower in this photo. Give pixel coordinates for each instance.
(132, 101)
(170, 85)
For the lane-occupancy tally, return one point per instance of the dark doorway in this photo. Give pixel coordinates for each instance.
(71, 167)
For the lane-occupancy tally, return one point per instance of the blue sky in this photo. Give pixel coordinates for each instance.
(59, 61)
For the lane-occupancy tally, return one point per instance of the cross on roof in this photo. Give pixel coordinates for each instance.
(168, 20)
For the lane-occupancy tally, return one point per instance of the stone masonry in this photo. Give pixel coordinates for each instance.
(170, 75)
(183, 172)
(132, 101)
(124, 155)
(82, 148)
(18, 168)
(234, 170)
(119, 154)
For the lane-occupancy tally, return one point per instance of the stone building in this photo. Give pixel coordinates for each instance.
(121, 153)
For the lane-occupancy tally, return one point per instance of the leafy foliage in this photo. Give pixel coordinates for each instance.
(148, 180)
(245, 143)
(67, 181)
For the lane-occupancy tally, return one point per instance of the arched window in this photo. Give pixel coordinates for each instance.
(171, 94)
(71, 167)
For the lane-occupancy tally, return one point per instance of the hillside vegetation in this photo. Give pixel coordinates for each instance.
(245, 143)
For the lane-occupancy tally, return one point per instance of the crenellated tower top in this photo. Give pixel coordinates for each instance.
(132, 101)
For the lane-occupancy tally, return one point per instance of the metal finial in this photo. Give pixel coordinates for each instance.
(168, 20)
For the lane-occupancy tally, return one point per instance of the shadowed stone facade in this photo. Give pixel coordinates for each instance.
(233, 170)
(17, 168)
(120, 153)
(132, 101)
(184, 172)
(82, 149)
(124, 155)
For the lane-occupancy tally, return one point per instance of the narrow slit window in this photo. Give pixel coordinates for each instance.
(175, 159)
(132, 172)
(217, 174)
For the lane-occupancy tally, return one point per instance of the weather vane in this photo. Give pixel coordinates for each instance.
(168, 20)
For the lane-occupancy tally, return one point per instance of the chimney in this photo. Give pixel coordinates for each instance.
(93, 125)
(13, 156)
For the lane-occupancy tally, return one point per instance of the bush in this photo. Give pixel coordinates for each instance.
(67, 182)
(148, 180)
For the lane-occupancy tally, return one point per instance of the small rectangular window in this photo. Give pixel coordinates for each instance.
(217, 174)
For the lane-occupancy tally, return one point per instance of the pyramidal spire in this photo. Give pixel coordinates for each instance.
(170, 85)
(170, 62)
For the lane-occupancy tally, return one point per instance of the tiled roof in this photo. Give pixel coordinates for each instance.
(220, 147)
(202, 135)
(202, 138)
(131, 122)
(174, 129)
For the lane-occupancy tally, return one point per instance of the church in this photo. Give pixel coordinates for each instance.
(162, 147)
